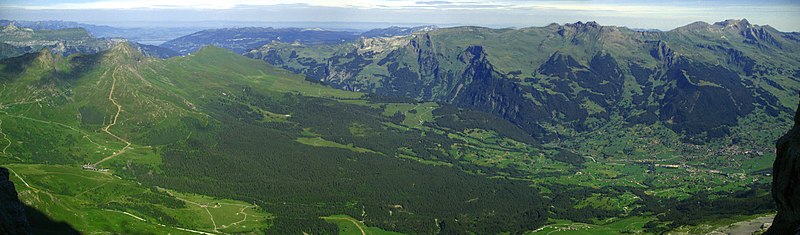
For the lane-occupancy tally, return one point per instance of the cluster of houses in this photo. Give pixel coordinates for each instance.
(92, 167)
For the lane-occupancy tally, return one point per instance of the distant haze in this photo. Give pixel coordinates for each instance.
(361, 14)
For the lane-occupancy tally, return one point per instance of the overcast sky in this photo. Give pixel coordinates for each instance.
(657, 14)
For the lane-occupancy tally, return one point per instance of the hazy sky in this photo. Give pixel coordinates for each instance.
(659, 14)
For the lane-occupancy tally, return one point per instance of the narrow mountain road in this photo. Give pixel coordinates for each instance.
(193, 231)
(114, 121)
(20, 178)
(128, 214)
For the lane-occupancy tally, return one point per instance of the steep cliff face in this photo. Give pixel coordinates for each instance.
(12, 212)
(483, 88)
(786, 182)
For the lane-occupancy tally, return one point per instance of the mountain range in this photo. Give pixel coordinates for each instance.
(15, 41)
(241, 40)
(572, 77)
(136, 34)
(426, 130)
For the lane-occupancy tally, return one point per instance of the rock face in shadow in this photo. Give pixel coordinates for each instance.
(786, 182)
(18, 218)
(12, 212)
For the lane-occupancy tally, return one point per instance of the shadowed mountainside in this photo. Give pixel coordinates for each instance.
(12, 212)
(18, 218)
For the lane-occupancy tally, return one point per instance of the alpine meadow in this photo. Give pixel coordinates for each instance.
(399, 117)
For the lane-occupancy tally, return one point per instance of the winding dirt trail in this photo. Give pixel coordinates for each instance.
(29, 186)
(4, 137)
(114, 121)
(128, 214)
(204, 206)
(240, 212)
(352, 221)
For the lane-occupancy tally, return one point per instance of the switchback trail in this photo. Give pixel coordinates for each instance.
(6, 139)
(114, 121)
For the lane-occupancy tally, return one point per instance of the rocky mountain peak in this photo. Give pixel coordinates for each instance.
(381, 44)
(662, 52)
(733, 23)
(573, 31)
(10, 28)
(583, 27)
(729, 24)
(124, 51)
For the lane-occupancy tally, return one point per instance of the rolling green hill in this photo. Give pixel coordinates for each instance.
(219, 124)
(179, 137)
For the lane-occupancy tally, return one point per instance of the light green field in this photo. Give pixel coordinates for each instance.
(422, 112)
(92, 202)
(320, 142)
(349, 226)
(564, 227)
(224, 215)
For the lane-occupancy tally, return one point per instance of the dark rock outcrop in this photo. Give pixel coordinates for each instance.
(786, 182)
(705, 99)
(18, 218)
(12, 212)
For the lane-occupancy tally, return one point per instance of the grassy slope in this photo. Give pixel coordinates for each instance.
(93, 201)
(60, 120)
(39, 127)
(349, 226)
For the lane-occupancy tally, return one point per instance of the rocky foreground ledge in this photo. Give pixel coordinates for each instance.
(12, 213)
(786, 182)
